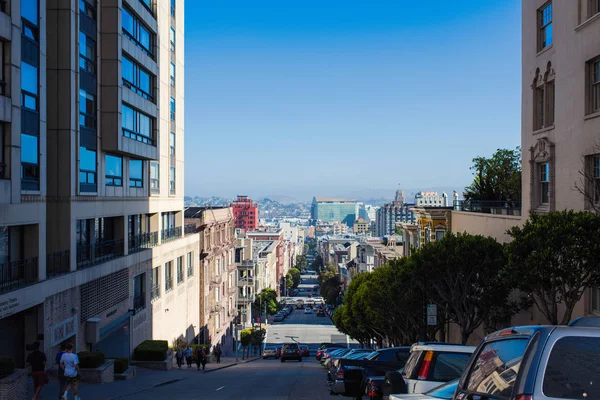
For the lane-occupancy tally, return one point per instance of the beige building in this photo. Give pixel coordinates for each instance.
(361, 226)
(560, 133)
(246, 273)
(218, 287)
(92, 244)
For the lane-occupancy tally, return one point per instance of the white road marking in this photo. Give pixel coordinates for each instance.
(219, 388)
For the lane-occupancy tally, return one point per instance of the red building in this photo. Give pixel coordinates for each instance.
(245, 212)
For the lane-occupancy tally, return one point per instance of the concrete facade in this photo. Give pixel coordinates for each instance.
(246, 213)
(92, 195)
(328, 209)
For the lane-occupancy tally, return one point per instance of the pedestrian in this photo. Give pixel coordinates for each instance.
(198, 356)
(203, 358)
(179, 357)
(61, 372)
(37, 360)
(70, 364)
(218, 353)
(188, 356)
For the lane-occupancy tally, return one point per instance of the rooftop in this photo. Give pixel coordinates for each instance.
(333, 200)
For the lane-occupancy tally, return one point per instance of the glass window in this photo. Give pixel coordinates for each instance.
(172, 74)
(30, 32)
(29, 149)
(155, 282)
(145, 127)
(137, 125)
(144, 38)
(137, 79)
(545, 183)
(173, 8)
(128, 23)
(190, 266)
(87, 109)
(87, 159)
(172, 144)
(29, 78)
(179, 270)
(137, 32)
(572, 369)
(172, 108)
(545, 21)
(449, 366)
(139, 292)
(87, 170)
(494, 372)
(136, 173)
(172, 181)
(594, 88)
(168, 276)
(128, 70)
(145, 81)
(29, 10)
(172, 39)
(596, 299)
(154, 176)
(87, 9)
(128, 118)
(114, 170)
(446, 391)
(87, 53)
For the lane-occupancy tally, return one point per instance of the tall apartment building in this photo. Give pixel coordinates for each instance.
(245, 212)
(561, 110)
(328, 209)
(218, 287)
(246, 279)
(431, 199)
(391, 213)
(92, 245)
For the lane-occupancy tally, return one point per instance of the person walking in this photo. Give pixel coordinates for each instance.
(203, 358)
(188, 356)
(198, 356)
(61, 372)
(70, 364)
(37, 360)
(218, 353)
(179, 357)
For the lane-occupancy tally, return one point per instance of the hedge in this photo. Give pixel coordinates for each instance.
(121, 365)
(91, 359)
(194, 346)
(7, 366)
(151, 350)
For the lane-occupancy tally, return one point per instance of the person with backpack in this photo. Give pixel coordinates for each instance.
(179, 357)
(70, 364)
(61, 372)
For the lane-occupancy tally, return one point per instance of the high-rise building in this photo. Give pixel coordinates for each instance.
(328, 209)
(560, 123)
(389, 214)
(92, 242)
(431, 199)
(245, 212)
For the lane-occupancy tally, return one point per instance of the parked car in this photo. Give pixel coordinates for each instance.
(429, 365)
(354, 354)
(320, 313)
(534, 362)
(290, 351)
(444, 392)
(278, 318)
(305, 351)
(593, 322)
(334, 352)
(350, 376)
(324, 347)
(271, 351)
(307, 310)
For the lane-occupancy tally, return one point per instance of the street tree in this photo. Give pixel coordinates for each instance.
(245, 340)
(301, 262)
(328, 273)
(295, 274)
(266, 299)
(317, 264)
(554, 258)
(330, 289)
(464, 275)
(497, 178)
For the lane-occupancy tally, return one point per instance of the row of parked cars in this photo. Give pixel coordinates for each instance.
(286, 351)
(281, 315)
(518, 363)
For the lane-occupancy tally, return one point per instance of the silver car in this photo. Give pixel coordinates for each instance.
(271, 351)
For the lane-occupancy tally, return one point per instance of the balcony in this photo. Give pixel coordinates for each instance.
(170, 234)
(190, 229)
(246, 281)
(142, 241)
(155, 292)
(489, 207)
(58, 263)
(179, 277)
(89, 255)
(245, 299)
(18, 274)
(139, 302)
(246, 264)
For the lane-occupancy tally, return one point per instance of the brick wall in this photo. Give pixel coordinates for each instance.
(14, 386)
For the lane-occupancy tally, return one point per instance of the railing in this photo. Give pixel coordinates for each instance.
(168, 283)
(18, 274)
(179, 277)
(99, 252)
(246, 265)
(142, 241)
(170, 234)
(500, 207)
(139, 302)
(244, 281)
(246, 299)
(155, 292)
(138, 136)
(190, 271)
(190, 229)
(58, 263)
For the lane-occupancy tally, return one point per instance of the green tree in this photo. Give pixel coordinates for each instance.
(267, 298)
(330, 289)
(496, 178)
(328, 273)
(317, 264)
(301, 262)
(289, 281)
(245, 340)
(464, 275)
(555, 258)
(295, 274)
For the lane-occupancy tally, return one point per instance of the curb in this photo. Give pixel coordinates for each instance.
(232, 365)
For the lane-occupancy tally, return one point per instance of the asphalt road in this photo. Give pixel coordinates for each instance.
(265, 379)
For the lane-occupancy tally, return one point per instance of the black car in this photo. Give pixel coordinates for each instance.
(290, 351)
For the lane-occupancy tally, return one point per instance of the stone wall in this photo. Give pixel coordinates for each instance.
(103, 374)
(14, 386)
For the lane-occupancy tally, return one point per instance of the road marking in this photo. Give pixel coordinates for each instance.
(219, 388)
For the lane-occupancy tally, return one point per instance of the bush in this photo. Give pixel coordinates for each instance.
(121, 365)
(7, 366)
(151, 350)
(194, 346)
(90, 359)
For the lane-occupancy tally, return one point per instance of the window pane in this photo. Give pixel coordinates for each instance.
(29, 78)
(449, 366)
(172, 35)
(114, 166)
(572, 370)
(154, 171)
(172, 139)
(135, 169)
(144, 38)
(128, 70)
(87, 159)
(145, 125)
(29, 10)
(144, 81)
(495, 370)
(172, 70)
(29, 149)
(128, 118)
(87, 103)
(87, 47)
(128, 22)
(172, 105)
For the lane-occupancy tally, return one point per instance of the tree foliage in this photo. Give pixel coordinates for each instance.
(328, 273)
(301, 262)
(330, 289)
(555, 258)
(267, 298)
(295, 275)
(497, 178)
(317, 264)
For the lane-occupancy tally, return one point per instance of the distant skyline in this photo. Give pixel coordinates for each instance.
(328, 100)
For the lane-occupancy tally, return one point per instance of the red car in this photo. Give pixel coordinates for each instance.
(305, 351)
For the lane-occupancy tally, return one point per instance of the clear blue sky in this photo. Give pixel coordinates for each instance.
(330, 97)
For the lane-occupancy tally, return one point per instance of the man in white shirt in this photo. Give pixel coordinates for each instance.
(70, 364)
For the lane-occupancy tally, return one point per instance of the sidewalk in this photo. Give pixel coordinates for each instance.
(146, 379)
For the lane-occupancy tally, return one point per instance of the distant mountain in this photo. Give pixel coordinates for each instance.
(281, 199)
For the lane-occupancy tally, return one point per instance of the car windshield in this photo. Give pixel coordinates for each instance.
(445, 391)
(357, 356)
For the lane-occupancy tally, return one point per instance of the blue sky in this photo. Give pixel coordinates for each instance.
(330, 99)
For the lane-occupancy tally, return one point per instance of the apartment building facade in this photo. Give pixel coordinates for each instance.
(218, 282)
(246, 271)
(561, 110)
(246, 213)
(92, 243)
